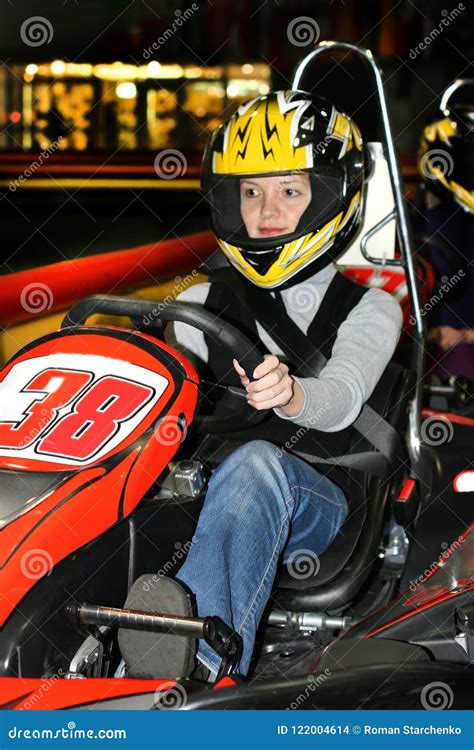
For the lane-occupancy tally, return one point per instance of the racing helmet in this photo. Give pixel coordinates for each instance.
(446, 156)
(286, 133)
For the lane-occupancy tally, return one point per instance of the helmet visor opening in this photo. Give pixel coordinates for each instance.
(327, 194)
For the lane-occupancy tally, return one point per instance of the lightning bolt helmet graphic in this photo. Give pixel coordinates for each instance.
(283, 133)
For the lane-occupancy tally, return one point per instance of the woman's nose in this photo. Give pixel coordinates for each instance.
(270, 206)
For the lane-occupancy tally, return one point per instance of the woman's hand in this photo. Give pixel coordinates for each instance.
(273, 387)
(447, 337)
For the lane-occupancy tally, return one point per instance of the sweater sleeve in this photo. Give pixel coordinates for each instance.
(364, 345)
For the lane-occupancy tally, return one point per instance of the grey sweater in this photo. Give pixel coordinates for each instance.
(364, 345)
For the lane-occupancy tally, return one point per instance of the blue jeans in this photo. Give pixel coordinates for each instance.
(261, 502)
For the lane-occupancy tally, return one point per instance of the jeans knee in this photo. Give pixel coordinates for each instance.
(253, 470)
(256, 457)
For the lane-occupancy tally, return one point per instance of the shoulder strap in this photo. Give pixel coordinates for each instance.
(309, 362)
(341, 296)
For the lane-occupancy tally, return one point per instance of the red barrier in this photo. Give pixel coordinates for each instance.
(38, 291)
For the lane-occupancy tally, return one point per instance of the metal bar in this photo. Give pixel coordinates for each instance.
(90, 614)
(404, 233)
(368, 235)
(457, 84)
(445, 390)
(307, 620)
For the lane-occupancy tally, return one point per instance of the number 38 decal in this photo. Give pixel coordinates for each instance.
(72, 414)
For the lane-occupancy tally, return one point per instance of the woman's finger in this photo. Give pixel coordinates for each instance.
(241, 373)
(275, 394)
(267, 381)
(269, 363)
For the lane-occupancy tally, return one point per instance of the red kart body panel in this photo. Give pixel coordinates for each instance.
(89, 418)
(52, 694)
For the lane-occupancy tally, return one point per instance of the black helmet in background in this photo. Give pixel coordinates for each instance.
(446, 154)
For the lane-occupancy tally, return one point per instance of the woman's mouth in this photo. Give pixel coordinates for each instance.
(270, 231)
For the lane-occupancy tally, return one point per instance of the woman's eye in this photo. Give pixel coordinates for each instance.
(291, 191)
(250, 192)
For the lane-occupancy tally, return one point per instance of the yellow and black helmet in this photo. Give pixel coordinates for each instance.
(283, 133)
(446, 156)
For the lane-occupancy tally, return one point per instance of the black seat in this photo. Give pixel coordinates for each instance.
(347, 563)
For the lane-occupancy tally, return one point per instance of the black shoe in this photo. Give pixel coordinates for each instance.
(200, 672)
(157, 655)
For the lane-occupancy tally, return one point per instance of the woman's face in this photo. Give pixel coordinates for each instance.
(273, 206)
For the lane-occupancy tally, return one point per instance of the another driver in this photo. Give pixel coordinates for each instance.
(285, 180)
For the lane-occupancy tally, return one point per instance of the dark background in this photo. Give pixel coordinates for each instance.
(45, 226)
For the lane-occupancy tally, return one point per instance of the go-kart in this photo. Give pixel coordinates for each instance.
(108, 436)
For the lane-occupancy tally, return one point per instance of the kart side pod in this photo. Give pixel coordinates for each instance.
(89, 418)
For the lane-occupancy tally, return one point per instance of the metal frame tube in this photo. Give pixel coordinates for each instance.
(90, 614)
(457, 84)
(404, 234)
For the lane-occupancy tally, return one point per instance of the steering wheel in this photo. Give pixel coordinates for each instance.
(239, 415)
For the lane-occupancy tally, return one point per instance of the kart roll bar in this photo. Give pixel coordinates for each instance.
(222, 639)
(457, 84)
(404, 233)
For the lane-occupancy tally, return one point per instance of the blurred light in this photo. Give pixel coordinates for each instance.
(126, 90)
(58, 67)
(464, 481)
(215, 91)
(232, 89)
(15, 116)
(247, 68)
(171, 71)
(154, 68)
(31, 69)
(79, 69)
(120, 72)
(264, 88)
(117, 71)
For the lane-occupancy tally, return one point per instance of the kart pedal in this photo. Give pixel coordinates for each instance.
(157, 655)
